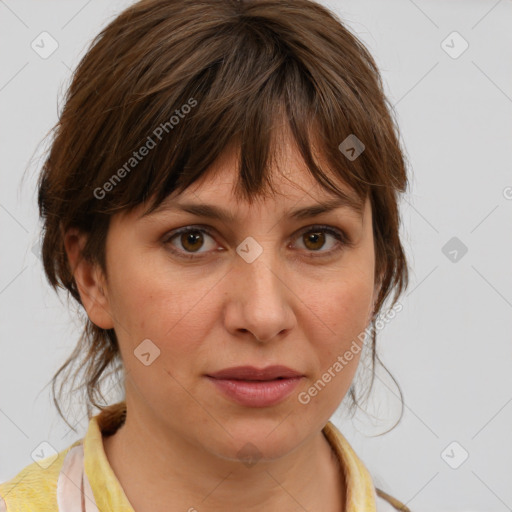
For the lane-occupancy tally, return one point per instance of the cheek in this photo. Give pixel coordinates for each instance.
(339, 318)
(343, 306)
(150, 302)
(342, 310)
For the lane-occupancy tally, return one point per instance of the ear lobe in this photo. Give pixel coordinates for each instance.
(89, 280)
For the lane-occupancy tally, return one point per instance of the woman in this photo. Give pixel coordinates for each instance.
(258, 132)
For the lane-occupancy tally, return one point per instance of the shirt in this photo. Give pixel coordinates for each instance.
(80, 478)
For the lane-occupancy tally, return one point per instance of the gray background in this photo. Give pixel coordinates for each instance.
(450, 347)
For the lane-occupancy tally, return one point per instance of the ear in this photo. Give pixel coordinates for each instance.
(89, 279)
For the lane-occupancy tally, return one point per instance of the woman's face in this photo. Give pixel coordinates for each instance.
(258, 290)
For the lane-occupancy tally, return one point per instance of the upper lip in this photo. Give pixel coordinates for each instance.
(252, 373)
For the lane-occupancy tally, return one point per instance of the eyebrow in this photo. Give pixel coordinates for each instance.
(216, 212)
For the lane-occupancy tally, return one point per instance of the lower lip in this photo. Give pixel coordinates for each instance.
(256, 393)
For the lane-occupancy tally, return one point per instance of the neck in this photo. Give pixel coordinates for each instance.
(148, 462)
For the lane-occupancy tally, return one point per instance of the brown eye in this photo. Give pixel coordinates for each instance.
(188, 242)
(191, 240)
(314, 240)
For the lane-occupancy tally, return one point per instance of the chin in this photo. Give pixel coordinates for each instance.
(252, 440)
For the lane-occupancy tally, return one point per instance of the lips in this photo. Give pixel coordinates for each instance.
(253, 387)
(250, 373)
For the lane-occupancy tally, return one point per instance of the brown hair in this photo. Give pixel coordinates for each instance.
(185, 78)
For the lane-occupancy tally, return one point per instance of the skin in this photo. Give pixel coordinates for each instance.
(178, 449)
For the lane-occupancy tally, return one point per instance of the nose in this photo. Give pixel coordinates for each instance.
(259, 300)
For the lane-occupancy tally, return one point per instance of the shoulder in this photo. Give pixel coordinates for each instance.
(387, 503)
(34, 486)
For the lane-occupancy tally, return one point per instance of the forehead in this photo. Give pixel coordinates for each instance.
(292, 182)
(219, 203)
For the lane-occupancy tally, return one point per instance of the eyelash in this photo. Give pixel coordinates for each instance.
(343, 240)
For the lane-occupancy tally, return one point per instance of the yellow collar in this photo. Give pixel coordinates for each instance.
(360, 490)
(109, 495)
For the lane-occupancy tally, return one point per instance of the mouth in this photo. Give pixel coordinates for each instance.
(252, 387)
